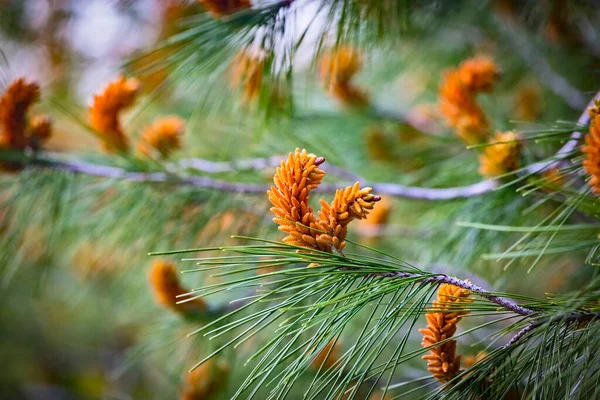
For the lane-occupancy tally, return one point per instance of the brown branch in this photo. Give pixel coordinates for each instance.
(441, 278)
(382, 188)
(568, 147)
(252, 164)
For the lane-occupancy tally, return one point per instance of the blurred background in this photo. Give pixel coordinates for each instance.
(82, 316)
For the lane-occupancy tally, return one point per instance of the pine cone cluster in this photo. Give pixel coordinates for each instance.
(294, 180)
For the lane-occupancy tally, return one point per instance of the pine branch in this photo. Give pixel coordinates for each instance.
(568, 147)
(460, 192)
(521, 333)
(501, 301)
(409, 192)
(254, 164)
(347, 285)
(570, 317)
(441, 278)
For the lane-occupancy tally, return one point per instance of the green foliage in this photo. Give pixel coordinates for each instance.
(76, 226)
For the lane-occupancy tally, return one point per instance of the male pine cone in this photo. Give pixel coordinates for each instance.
(442, 361)
(294, 180)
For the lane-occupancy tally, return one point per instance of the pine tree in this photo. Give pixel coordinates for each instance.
(453, 147)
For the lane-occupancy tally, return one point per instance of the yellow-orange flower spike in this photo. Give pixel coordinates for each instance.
(165, 284)
(105, 110)
(457, 97)
(14, 104)
(591, 148)
(478, 74)
(442, 361)
(294, 180)
(338, 68)
(372, 228)
(380, 215)
(247, 73)
(348, 204)
(500, 158)
(40, 130)
(461, 111)
(205, 382)
(219, 8)
(163, 136)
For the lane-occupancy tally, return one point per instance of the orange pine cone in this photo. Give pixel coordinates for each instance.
(220, 8)
(442, 361)
(105, 110)
(501, 158)
(294, 180)
(348, 204)
(247, 73)
(478, 74)
(40, 130)
(14, 104)
(163, 136)
(591, 148)
(165, 284)
(338, 68)
(457, 97)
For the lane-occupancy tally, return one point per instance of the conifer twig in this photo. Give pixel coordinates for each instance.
(571, 317)
(413, 192)
(520, 334)
(568, 147)
(441, 278)
(253, 164)
(409, 192)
